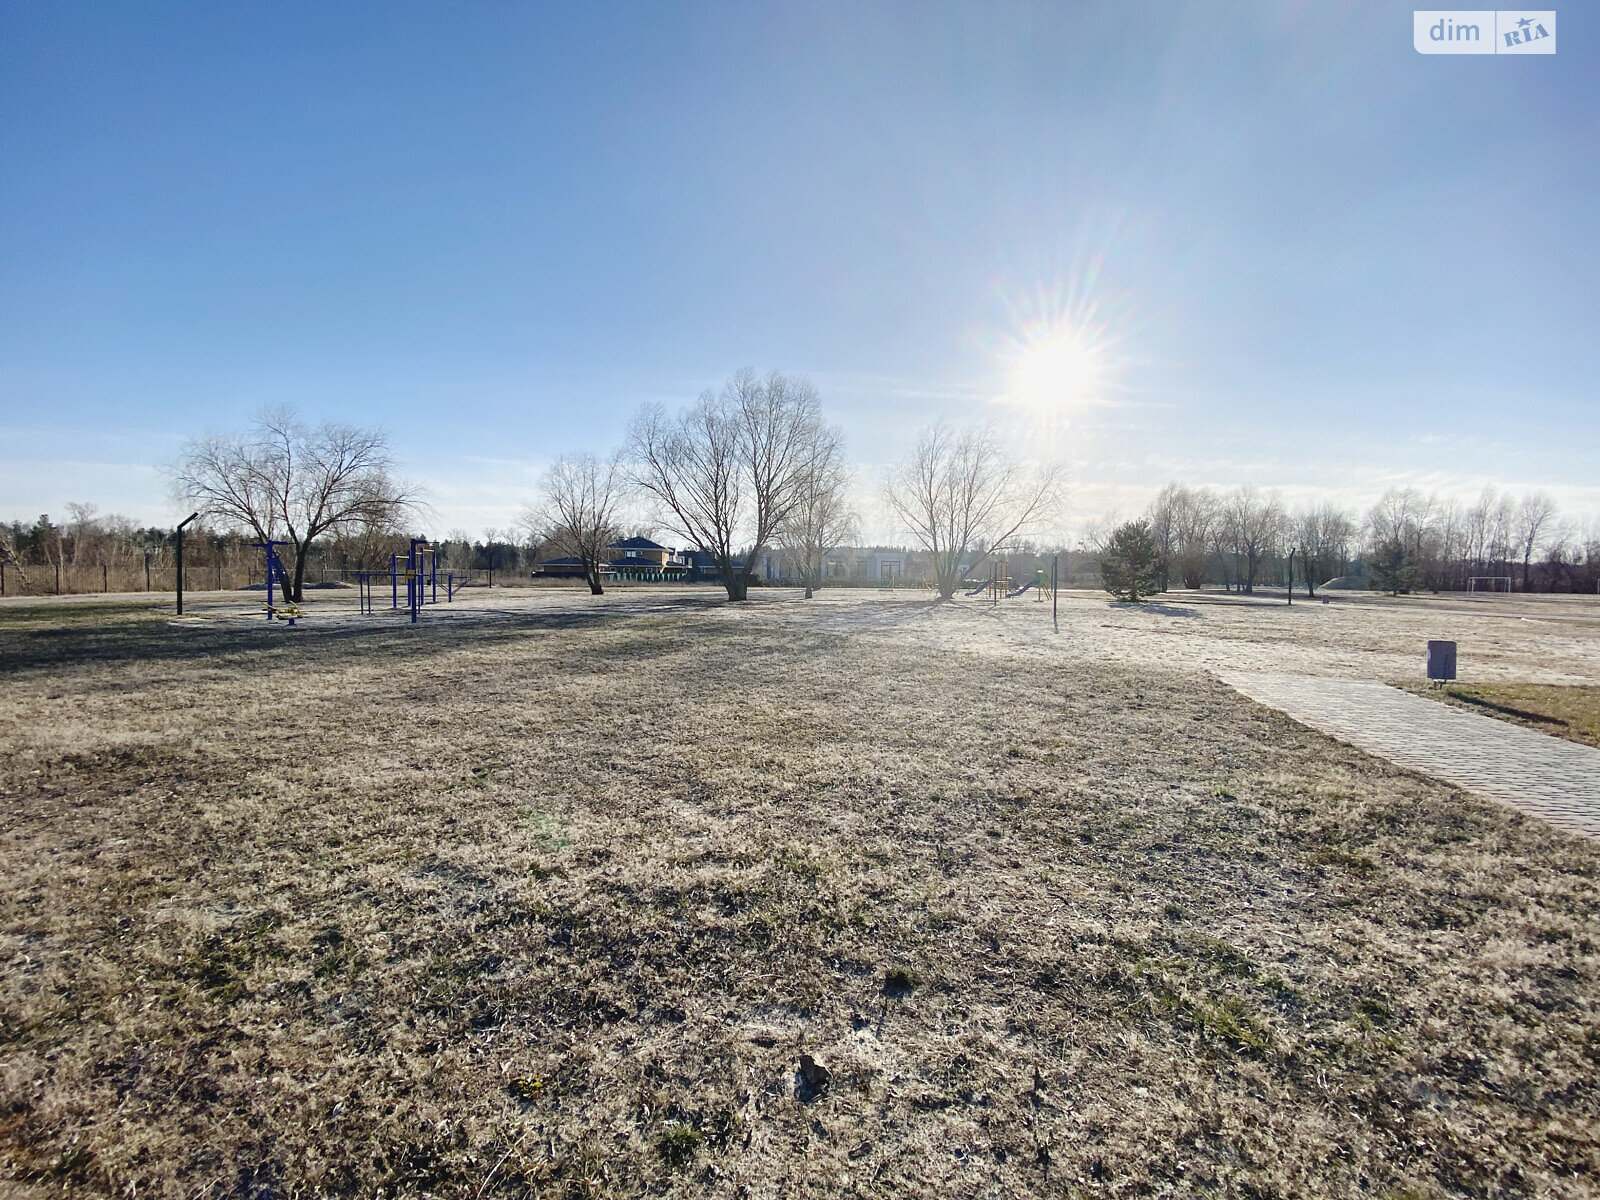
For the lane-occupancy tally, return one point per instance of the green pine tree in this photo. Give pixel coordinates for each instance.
(1391, 568)
(1131, 565)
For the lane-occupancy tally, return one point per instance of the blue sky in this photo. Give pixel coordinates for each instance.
(1299, 254)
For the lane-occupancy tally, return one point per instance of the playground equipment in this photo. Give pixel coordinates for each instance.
(1488, 583)
(1000, 585)
(277, 577)
(419, 568)
(1037, 585)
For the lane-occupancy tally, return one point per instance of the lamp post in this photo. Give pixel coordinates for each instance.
(191, 517)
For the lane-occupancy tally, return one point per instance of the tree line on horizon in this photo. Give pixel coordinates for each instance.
(89, 551)
(745, 469)
(754, 467)
(1407, 541)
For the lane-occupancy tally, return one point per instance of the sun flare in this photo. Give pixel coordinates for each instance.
(1058, 371)
(1061, 371)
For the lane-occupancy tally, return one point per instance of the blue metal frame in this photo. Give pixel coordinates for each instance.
(419, 567)
(276, 574)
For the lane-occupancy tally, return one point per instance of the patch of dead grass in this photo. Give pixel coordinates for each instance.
(556, 912)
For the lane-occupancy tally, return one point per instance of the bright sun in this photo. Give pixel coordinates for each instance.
(1058, 372)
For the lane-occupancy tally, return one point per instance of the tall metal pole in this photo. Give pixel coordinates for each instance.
(1055, 586)
(1291, 577)
(191, 517)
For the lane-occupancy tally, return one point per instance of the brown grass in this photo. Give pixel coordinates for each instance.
(517, 910)
(1572, 712)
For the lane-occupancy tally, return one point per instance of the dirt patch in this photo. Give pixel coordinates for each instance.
(716, 903)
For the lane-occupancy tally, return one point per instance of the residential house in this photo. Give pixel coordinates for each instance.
(630, 558)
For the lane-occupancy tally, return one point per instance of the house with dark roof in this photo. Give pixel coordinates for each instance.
(629, 558)
(640, 558)
(561, 568)
(702, 568)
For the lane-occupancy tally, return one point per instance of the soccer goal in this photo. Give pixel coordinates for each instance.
(1488, 583)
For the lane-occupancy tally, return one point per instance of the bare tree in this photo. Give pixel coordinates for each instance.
(286, 481)
(1253, 524)
(962, 497)
(10, 558)
(1322, 534)
(84, 531)
(579, 516)
(1181, 521)
(1534, 513)
(1404, 514)
(728, 471)
(821, 519)
(1161, 519)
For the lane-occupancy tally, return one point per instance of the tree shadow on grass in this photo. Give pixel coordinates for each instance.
(52, 649)
(1161, 610)
(383, 638)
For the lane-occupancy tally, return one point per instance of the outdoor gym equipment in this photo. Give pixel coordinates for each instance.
(276, 576)
(418, 567)
(419, 559)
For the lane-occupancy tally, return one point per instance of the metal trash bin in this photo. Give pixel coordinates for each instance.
(1441, 661)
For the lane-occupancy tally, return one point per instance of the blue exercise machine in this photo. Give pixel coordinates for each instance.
(278, 577)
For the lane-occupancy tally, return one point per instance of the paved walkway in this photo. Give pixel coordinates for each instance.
(1540, 774)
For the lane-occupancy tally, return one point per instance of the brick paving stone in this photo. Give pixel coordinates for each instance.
(1543, 775)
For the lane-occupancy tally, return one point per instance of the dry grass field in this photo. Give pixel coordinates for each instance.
(654, 896)
(1571, 712)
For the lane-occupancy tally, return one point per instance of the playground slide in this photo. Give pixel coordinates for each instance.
(1023, 588)
(982, 587)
